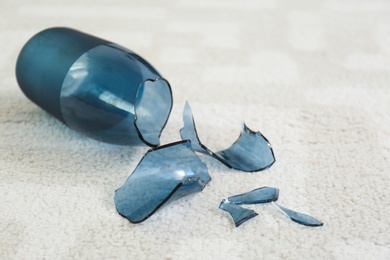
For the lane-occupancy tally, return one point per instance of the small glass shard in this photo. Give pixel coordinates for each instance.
(251, 152)
(239, 214)
(300, 218)
(256, 196)
(165, 173)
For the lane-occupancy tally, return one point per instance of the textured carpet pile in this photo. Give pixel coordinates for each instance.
(313, 77)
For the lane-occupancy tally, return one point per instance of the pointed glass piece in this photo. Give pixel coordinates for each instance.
(165, 173)
(256, 196)
(251, 152)
(189, 132)
(300, 218)
(239, 214)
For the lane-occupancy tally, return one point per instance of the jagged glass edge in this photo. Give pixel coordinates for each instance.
(246, 130)
(298, 217)
(156, 208)
(174, 190)
(188, 118)
(135, 111)
(233, 209)
(256, 196)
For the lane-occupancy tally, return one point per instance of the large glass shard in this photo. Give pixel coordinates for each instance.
(251, 152)
(300, 218)
(239, 214)
(165, 173)
(256, 196)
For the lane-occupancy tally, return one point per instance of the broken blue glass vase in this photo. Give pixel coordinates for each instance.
(164, 174)
(94, 86)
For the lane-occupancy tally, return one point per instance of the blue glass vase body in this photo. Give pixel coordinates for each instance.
(96, 87)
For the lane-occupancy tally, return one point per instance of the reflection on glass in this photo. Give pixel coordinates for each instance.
(164, 174)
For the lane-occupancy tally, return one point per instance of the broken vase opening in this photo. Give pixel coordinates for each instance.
(94, 86)
(251, 152)
(239, 214)
(164, 174)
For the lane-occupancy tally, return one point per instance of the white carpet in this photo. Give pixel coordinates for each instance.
(313, 76)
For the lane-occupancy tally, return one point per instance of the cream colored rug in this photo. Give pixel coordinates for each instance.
(314, 77)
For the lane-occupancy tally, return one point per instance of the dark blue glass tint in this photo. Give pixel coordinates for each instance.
(45, 60)
(99, 92)
(165, 173)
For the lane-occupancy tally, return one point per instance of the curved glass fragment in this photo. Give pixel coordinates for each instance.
(256, 196)
(165, 173)
(251, 152)
(239, 214)
(153, 105)
(300, 218)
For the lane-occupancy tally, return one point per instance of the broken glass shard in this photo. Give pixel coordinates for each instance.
(256, 196)
(300, 218)
(164, 174)
(251, 152)
(239, 214)
(189, 132)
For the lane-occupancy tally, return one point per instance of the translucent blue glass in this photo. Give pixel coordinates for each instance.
(164, 174)
(256, 196)
(300, 218)
(251, 152)
(96, 87)
(239, 214)
(152, 108)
